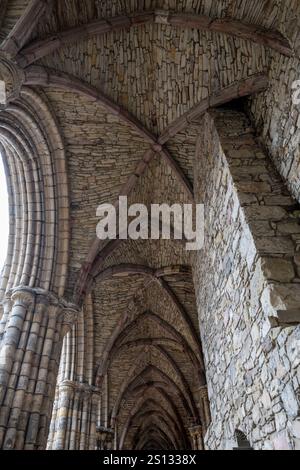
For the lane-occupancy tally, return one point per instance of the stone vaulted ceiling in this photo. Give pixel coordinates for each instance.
(127, 81)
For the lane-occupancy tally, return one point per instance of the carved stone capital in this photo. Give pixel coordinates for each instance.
(196, 431)
(86, 389)
(7, 302)
(39, 297)
(32, 295)
(203, 392)
(105, 435)
(70, 315)
(22, 295)
(66, 387)
(11, 79)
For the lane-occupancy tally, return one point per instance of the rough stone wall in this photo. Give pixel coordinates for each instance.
(243, 277)
(275, 112)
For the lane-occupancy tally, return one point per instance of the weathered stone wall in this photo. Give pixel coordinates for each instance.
(276, 113)
(244, 277)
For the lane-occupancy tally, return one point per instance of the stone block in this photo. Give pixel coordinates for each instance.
(278, 269)
(253, 187)
(290, 401)
(275, 200)
(288, 227)
(282, 442)
(296, 428)
(275, 245)
(265, 213)
(262, 228)
(281, 297)
(297, 444)
(280, 421)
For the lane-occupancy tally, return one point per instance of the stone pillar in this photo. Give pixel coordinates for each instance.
(105, 438)
(31, 333)
(74, 420)
(196, 433)
(204, 406)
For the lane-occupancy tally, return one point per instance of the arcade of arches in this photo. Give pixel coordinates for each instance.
(141, 344)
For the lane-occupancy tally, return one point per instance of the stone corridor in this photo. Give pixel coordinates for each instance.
(141, 344)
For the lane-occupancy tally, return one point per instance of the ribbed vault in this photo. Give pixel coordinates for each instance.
(152, 350)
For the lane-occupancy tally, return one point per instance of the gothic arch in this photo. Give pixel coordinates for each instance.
(110, 354)
(186, 390)
(165, 396)
(34, 157)
(40, 49)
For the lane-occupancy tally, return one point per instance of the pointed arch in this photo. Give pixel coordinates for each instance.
(103, 367)
(228, 26)
(32, 146)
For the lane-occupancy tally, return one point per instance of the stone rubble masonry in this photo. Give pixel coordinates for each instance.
(247, 281)
(32, 328)
(275, 114)
(274, 225)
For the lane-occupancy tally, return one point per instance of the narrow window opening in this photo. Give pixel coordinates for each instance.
(242, 441)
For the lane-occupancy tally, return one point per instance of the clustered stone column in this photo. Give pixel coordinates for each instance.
(73, 425)
(105, 438)
(204, 407)
(196, 433)
(32, 328)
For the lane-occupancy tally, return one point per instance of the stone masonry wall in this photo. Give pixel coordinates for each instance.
(247, 289)
(276, 112)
